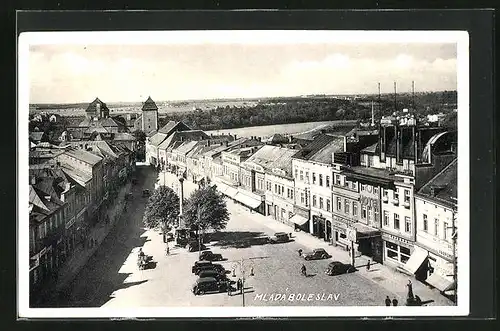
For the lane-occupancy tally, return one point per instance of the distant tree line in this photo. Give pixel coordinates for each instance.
(314, 109)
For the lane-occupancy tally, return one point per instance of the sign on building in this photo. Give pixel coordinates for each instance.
(351, 234)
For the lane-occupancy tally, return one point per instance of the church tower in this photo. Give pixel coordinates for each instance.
(149, 116)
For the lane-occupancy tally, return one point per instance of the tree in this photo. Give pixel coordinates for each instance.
(162, 209)
(140, 136)
(206, 209)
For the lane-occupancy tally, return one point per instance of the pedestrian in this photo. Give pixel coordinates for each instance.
(300, 252)
(240, 285)
(368, 265)
(394, 302)
(168, 250)
(387, 301)
(410, 290)
(228, 288)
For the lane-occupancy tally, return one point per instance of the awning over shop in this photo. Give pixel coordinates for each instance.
(440, 282)
(231, 192)
(221, 187)
(416, 259)
(365, 231)
(248, 201)
(299, 220)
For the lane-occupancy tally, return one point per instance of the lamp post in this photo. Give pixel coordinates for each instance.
(241, 265)
(454, 247)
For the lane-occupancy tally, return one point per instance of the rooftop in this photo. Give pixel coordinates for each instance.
(324, 155)
(78, 176)
(93, 106)
(272, 157)
(315, 146)
(186, 147)
(443, 186)
(149, 105)
(83, 155)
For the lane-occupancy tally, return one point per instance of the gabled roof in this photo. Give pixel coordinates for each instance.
(78, 176)
(183, 136)
(444, 184)
(96, 127)
(157, 139)
(36, 200)
(84, 156)
(316, 145)
(172, 126)
(173, 145)
(93, 108)
(149, 105)
(108, 122)
(85, 123)
(123, 136)
(273, 157)
(185, 147)
(370, 149)
(324, 155)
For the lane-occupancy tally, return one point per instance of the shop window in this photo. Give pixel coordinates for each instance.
(426, 226)
(396, 221)
(405, 254)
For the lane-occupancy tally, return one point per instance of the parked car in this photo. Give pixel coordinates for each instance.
(210, 256)
(207, 285)
(198, 264)
(212, 274)
(216, 267)
(279, 237)
(194, 246)
(339, 268)
(146, 193)
(317, 254)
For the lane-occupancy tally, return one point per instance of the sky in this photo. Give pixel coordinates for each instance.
(66, 73)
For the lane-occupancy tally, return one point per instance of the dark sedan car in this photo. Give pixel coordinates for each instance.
(208, 285)
(212, 274)
(210, 256)
(339, 268)
(317, 254)
(215, 267)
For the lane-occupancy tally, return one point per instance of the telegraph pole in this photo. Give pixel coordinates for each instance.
(454, 245)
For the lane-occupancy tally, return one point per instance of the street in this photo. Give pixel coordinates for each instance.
(112, 279)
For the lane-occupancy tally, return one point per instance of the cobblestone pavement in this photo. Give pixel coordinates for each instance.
(112, 279)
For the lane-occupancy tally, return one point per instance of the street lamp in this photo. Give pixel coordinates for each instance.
(454, 248)
(240, 264)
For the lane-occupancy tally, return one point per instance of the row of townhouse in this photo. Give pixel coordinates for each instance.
(380, 193)
(70, 188)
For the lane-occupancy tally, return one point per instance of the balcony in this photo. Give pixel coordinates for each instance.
(385, 198)
(406, 204)
(395, 202)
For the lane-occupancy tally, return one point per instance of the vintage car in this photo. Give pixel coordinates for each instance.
(208, 285)
(212, 274)
(279, 237)
(194, 246)
(338, 268)
(317, 254)
(210, 256)
(204, 267)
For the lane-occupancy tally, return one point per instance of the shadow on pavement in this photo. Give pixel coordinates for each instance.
(100, 277)
(238, 239)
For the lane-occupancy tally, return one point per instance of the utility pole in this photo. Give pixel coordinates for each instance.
(241, 264)
(454, 247)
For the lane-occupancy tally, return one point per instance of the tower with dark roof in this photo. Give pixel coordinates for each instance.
(149, 116)
(98, 109)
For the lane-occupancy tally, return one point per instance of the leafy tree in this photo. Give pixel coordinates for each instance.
(162, 209)
(206, 209)
(140, 136)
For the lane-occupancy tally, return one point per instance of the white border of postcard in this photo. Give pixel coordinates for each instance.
(243, 37)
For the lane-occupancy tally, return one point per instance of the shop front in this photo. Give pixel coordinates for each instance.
(440, 273)
(397, 252)
(300, 219)
(322, 227)
(369, 241)
(339, 232)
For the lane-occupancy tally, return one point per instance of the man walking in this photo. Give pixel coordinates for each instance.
(368, 264)
(240, 285)
(394, 302)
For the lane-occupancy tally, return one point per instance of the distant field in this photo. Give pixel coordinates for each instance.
(300, 130)
(163, 107)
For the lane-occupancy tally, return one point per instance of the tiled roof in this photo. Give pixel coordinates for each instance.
(184, 136)
(96, 127)
(123, 136)
(36, 200)
(85, 123)
(157, 139)
(445, 184)
(312, 148)
(108, 122)
(84, 156)
(324, 155)
(185, 147)
(78, 176)
(149, 105)
(73, 121)
(171, 125)
(173, 145)
(271, 157)
(201, 152)
(92, 106)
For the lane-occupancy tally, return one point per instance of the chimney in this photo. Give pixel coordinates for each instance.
(373, 116)
(398, 143)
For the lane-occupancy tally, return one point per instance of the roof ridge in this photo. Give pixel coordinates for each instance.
(439, 173)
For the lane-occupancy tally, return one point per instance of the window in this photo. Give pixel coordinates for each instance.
(320, 180)
(296, 174)
(363, 187)
(353, 185)
(445, 230)
(314, 178)
(302, 198)
(425, 223)
(405, 254)
(396, 194)
(291, 193)
(314, 201)
(275, 188)
(327, 180)
(396, 221)
(339, 204)
(407, 196)
(392, 251)
(301, 175)
(346, 206)
(328, 204)
(363, 212)
(386, 218)
(375, 190)
(321, 203)
(436, 226)
(282, 190)
(407, 224)
(370, 213)
(307, 176)
(354, 208)
(337, 179)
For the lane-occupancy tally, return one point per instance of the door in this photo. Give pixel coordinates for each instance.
(276, 212)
